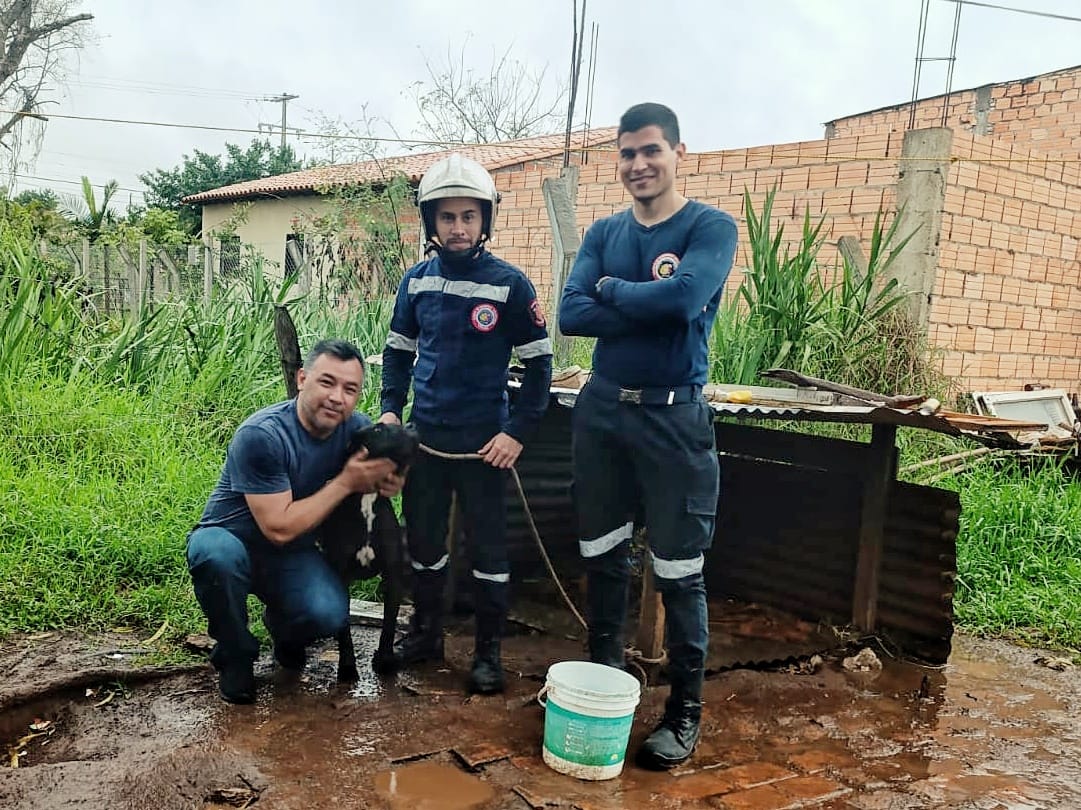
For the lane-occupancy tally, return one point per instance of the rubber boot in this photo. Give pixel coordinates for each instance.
(607, 581)
(486, 676)
(423, 641)
(675, 738)
(687, 634)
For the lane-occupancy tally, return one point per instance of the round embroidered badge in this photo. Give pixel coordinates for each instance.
(484, 317)
(664, 266)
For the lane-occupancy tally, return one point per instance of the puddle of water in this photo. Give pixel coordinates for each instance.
(431, 786)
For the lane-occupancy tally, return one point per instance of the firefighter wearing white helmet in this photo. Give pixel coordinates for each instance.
(458, 316)
(457, 177)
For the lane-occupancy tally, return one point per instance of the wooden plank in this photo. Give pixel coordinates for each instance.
(285, 334)
(881, 472)
(650, 637)
(764, 393)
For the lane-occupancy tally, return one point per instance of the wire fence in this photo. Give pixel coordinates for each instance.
(117, 279)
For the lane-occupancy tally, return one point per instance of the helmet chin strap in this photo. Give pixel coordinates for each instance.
(456, 257)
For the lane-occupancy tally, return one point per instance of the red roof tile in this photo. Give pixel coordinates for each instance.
(491, 155)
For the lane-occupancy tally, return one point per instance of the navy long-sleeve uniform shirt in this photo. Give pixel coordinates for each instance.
(654, 315)
(460, 324)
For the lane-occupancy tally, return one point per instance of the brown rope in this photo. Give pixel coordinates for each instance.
(529, 517)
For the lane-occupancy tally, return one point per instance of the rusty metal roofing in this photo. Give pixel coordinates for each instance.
(492, 156)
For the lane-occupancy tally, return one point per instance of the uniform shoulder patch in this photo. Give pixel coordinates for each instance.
(664, 266)
(484, 317)
(537, 312)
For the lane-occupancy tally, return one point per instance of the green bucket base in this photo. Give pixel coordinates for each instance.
(593, 773)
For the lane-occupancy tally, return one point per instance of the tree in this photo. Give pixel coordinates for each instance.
(457, 105)
(41, 197)
(202, 172)
(34, 35)
(88, 213)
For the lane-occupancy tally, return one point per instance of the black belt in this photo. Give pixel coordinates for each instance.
(674, 395)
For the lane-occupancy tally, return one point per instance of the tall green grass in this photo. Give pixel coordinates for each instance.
(113, 432)
(1019, 550)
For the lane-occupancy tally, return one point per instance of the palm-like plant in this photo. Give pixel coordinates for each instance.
(90, 214)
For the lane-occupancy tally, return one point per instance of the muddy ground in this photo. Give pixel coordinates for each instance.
(89, 728)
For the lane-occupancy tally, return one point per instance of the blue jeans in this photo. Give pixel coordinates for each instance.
(305, 600)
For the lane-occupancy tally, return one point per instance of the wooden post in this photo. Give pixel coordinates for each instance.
(208, 272)
(86, 258)
(560, 196)
(133, 301)
(301, 261)
(285, 333)
(650, 638)
(108, 297)
(881, 472)
(172, 270)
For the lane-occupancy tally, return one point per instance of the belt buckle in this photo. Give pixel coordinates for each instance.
(632, 395)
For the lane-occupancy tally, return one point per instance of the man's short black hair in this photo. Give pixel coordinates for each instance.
(650, 114)
(342, 349)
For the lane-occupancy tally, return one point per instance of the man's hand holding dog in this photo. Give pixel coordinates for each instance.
(362, 474)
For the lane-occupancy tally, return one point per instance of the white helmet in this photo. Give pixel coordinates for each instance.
(457, 176)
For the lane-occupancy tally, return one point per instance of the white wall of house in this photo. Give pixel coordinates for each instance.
(266, 222)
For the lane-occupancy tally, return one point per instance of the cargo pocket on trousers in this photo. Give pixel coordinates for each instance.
(701, 518)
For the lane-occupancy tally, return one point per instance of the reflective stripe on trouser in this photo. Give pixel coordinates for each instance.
(482, 504)
(657, 464)
(481, 501)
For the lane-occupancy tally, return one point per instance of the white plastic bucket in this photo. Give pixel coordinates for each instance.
(588, 712)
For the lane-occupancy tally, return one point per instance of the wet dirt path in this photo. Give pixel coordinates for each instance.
(991, 731)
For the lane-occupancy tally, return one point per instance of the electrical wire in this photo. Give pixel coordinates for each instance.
(316, 135)
(1032, 12)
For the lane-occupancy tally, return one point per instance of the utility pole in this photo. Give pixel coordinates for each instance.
(284, 100)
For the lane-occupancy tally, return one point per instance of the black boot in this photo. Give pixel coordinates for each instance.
(486, 677)
(674, 739)
(491, 600)
(608, 578)
(607, 649)
(687, 636)
(423, 641)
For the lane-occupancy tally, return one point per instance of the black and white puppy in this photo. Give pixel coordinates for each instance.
(362, 538)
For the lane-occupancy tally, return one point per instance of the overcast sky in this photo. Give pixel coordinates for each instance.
(737, 72)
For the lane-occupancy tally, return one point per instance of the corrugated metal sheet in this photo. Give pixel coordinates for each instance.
(787, 535)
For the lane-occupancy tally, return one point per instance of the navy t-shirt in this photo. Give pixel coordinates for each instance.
(272, 452)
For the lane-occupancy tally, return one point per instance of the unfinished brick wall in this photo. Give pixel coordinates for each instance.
(1042, 112)
(1007, 300)
(847, 179)
(1006, 295)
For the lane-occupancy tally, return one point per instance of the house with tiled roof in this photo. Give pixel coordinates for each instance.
(266, 211)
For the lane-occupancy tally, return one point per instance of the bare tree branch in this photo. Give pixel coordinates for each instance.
(33, 36)
(510, 101)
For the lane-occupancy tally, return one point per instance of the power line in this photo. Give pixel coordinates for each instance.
(165, 87)
(1032, 12)
(74, 182)
(323, 135)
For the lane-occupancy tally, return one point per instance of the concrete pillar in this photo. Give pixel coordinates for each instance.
(560, 198)
(984, 104)
(921, 196)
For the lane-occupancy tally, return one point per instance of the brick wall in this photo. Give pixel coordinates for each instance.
(1042, 112)
(1006, 299)
(1006, 308)
(847, 179)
